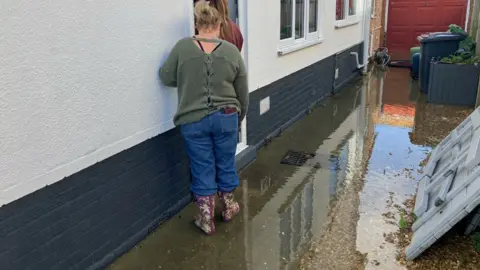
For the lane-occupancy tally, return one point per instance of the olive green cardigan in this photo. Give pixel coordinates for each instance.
(205, 82)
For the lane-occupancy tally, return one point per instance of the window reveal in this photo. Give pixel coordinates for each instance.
(299, 22)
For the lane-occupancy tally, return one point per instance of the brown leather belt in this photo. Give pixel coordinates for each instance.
(229, 110)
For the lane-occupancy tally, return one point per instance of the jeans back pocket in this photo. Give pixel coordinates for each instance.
(229, 122)
(191, 129)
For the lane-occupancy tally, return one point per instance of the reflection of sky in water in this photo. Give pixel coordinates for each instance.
(395, 140)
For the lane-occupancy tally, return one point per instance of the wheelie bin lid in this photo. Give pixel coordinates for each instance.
(446, 36)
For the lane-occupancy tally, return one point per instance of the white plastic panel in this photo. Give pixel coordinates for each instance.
(474, 222)
(450, 188)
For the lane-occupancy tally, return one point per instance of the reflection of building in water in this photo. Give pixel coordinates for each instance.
(397, 115)
(296, 225)
(297, 206)
(396, 108)
(441, 118)
(373, 101)
(338, 165)
(283, 207)
(346, 159)
(284, 225)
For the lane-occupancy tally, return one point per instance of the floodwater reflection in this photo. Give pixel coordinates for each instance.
(368, 143)
(283, 206)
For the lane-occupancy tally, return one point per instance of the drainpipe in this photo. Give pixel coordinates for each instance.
(367, 11)
(365, 37)
(359, 66)
(386, 6)
(473, 20)
(467, 16)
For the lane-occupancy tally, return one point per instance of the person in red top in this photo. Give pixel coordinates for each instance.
(229, 30)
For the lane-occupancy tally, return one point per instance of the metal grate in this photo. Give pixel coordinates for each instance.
(296, 158)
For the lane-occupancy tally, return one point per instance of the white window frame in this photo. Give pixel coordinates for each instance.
(347, 19)
(292, 44)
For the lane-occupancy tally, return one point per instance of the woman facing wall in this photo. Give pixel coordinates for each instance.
(213, 96)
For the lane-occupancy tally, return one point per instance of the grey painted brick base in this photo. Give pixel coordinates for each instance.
(292, 96)
(346, 63)
(87, 220)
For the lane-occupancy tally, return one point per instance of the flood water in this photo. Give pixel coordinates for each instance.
(393, 169)
(368, 142)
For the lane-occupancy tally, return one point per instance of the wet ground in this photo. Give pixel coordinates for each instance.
(405, 129)
(337, 211)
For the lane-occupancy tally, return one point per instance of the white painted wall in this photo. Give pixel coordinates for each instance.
(78, 83)
(265, 66)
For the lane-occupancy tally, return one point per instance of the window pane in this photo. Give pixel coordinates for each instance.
(352, 7)
(286, 8)
(299, 18)
(313, 16)
(340, 11)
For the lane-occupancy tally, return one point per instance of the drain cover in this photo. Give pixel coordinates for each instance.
(296, 158)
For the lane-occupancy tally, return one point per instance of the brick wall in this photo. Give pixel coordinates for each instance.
(96, 214)
(377, 26)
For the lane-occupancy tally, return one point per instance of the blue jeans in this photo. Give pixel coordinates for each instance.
(211, 144)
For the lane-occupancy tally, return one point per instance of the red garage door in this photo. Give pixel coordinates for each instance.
(407, 19)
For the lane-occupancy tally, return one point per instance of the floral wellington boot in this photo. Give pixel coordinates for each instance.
(204, 220)
(230, 206)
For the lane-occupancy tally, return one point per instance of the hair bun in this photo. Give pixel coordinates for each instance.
(205, 15)
(202, 7)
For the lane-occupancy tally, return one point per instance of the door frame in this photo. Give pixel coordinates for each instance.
(242, 8)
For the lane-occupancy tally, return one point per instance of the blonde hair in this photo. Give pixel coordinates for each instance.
(206, 17)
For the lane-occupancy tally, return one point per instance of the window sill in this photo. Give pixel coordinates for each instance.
(346, 23)
(299, 46)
